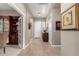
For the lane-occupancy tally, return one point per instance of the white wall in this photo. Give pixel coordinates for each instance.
(54, 36)
(70, 43)
(65, 6)
(56, 17)
(32, 28)
(29, 33)
(69, 39)
(50, 31)
(9, 13)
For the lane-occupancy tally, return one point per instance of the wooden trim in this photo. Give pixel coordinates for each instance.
(74, 29)
(77, 16)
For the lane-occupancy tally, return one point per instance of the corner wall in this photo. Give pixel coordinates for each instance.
(19, 7)
(29, 32)
(54, 35)
(69, 39)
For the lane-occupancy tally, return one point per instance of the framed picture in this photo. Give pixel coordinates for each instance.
(58, 25)
(67, 19)
(29, 25)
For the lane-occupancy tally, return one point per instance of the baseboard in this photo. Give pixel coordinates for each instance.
(28, 44)
(18, 52)
(25, 47)
(56, 45)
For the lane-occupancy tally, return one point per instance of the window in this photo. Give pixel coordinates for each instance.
(1, 25)
(4, 24)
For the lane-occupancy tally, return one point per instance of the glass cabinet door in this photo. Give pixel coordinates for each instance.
(1, 24)
(6, 25)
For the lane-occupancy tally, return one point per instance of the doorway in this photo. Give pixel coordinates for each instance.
(39, 26)
(10, 22)
(37, 31)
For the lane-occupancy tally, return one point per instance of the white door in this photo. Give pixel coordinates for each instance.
(37, 29)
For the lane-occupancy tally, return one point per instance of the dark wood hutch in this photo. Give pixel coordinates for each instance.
(10, 24)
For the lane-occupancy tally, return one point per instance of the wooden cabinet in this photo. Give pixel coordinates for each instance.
(13, 33)
(9, 24)
(45, 37)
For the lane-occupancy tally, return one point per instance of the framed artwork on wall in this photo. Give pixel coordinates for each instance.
(58, 25)
(67, 19)
(70, 18)
(29, 25)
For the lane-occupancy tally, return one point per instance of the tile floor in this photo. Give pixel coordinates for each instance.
(40, 48)
(11, 50)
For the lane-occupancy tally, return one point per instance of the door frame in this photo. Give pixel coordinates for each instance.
(22, 15)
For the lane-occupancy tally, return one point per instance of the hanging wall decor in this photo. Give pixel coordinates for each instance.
(67, 19)
(70, 18)
(29, 25)
(58, 25)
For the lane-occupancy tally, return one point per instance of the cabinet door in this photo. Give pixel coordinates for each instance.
(6, 25)
(1, 24)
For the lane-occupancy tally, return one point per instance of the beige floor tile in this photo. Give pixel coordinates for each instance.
(39, 48)
(11, 50)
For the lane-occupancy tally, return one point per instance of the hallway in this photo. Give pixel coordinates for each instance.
(54, 28)
(40, 48)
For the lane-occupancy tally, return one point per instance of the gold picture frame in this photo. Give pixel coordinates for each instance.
(70, 18)
(67, 19)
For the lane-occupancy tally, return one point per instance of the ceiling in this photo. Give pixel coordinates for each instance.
(5, 6)
(39, 9)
